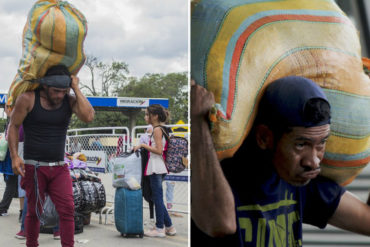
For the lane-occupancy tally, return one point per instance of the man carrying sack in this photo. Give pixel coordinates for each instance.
(45, 114)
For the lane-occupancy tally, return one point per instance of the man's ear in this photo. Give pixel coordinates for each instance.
(264, 137)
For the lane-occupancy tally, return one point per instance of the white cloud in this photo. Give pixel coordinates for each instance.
(151, 36)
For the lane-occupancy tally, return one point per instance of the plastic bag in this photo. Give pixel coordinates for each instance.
(132, 183)
(126, 167)
(49, 217)
(3, 147)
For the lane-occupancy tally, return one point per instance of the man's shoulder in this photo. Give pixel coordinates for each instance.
(26, 98)
(27, 95)
(324, 187)
(324, 180)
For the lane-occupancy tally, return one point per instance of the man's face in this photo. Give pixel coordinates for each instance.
(298, 154)
(55, 95)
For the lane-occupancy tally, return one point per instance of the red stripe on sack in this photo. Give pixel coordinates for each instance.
(35, 46)
(347, 163)
(38, 28)
(251, 29)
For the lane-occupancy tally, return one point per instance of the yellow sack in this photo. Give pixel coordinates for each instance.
(54, 34)
(238, 47)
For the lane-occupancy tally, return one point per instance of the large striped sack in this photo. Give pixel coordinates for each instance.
(238, 47)
(54, 34)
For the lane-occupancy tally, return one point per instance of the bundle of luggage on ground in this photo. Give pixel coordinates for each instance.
(88, 194)
(88, 191)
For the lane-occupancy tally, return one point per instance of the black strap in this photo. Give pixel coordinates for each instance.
(164, 131)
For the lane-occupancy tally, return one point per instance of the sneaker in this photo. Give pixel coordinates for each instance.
(156, 232)
(4, 214)
(57, 235)
(170, 231)
(20, 235)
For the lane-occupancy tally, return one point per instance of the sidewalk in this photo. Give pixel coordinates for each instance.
(95, 234)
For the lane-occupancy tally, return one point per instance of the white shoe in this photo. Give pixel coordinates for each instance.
(155, 233)
(171, 231)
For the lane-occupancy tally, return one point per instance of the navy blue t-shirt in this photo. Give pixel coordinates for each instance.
(269, 211)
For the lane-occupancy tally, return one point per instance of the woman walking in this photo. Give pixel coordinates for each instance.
(157, 170)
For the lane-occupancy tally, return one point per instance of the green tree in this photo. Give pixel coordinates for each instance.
(105, 78)
(112, 79)
(173, 86)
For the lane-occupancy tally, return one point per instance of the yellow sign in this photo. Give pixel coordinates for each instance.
(181, 130)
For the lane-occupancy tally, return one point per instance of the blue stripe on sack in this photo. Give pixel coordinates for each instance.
(347, 157)
(244, 25)
(278, 60)
(51, 12)
(71, 38)
(28, 37)
(204, 29)
(350, 114)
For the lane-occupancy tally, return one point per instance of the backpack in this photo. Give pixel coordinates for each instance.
(176, 151)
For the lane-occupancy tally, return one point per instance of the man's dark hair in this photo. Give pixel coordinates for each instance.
(59, 69)
(316, 111)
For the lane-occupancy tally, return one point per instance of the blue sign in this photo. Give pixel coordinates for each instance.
(127, 102)
(115, 102)
(3, 98)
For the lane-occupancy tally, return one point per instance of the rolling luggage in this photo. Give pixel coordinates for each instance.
(128, 212)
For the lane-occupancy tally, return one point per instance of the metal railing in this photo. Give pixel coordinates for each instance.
(100, 145)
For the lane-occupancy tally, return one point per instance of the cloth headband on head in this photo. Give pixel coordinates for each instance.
(58, 81)
(284, 101)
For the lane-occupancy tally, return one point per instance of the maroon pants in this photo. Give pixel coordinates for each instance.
(57, 182)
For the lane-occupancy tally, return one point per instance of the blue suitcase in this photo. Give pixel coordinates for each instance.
(128, 212)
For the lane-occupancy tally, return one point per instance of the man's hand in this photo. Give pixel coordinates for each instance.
(18, 166)
(201, 102)
(212, 207)
(75, 82)
(79, 103)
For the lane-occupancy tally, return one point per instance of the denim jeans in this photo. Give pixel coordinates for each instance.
(24, 212)
(161, 214)
(11, 191)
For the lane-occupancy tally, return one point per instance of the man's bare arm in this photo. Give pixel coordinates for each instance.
(212, 201)
(352, 214)
(21, 108)
(80, 105)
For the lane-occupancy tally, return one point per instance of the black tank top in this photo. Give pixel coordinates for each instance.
(45, 131)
